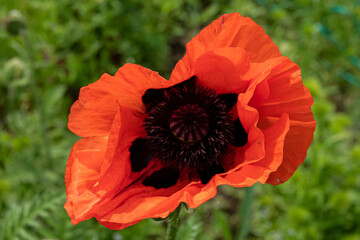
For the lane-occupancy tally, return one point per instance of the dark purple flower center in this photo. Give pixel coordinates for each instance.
(189, 123)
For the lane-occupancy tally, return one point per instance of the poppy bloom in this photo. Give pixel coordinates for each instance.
(234, 112)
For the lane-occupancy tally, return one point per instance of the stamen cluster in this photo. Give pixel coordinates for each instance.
(188, 125)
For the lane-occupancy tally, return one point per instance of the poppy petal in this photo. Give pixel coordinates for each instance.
(93, 113)
(260, 170)
(288, 94)
(254, 149)
(221, 69)
(116, 226)
(81, 175)
(116, 171)
(110, 169)
(294, 150)
(132, 81)
(234, 30)
(137, 202)
(230, 30)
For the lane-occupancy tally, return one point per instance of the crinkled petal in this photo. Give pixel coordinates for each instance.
(82, 172)
(221, 69)
(117, 226)
(99, 167)
(117, 182)
(297, 142)
(288, 94)
(93, 113)
(274, 146)
(116, 171)
(137, 202)
(234, 30)
(230, 30)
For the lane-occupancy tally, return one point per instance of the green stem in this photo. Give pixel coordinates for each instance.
(37, 97)
(173, 224)
(245, 213)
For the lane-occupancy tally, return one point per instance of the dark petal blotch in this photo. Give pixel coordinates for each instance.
(164, 178)
(140, 154)
(230, 99)
(240, 136)
(207, 174)
(190, 83)
(151, 96)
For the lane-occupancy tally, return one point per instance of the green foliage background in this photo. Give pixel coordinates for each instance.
(74, 42)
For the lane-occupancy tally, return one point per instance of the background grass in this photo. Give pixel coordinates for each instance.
(74, 42)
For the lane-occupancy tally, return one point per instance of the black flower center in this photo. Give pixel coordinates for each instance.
(189, 123)
(187, 126)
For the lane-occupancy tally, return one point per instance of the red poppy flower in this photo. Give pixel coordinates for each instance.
(234, 112)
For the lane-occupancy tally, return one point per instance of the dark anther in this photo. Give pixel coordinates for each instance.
(240, 136)
(189, 123)
(140, 154)
(163, 178)
(207, 174)
(230, 99)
